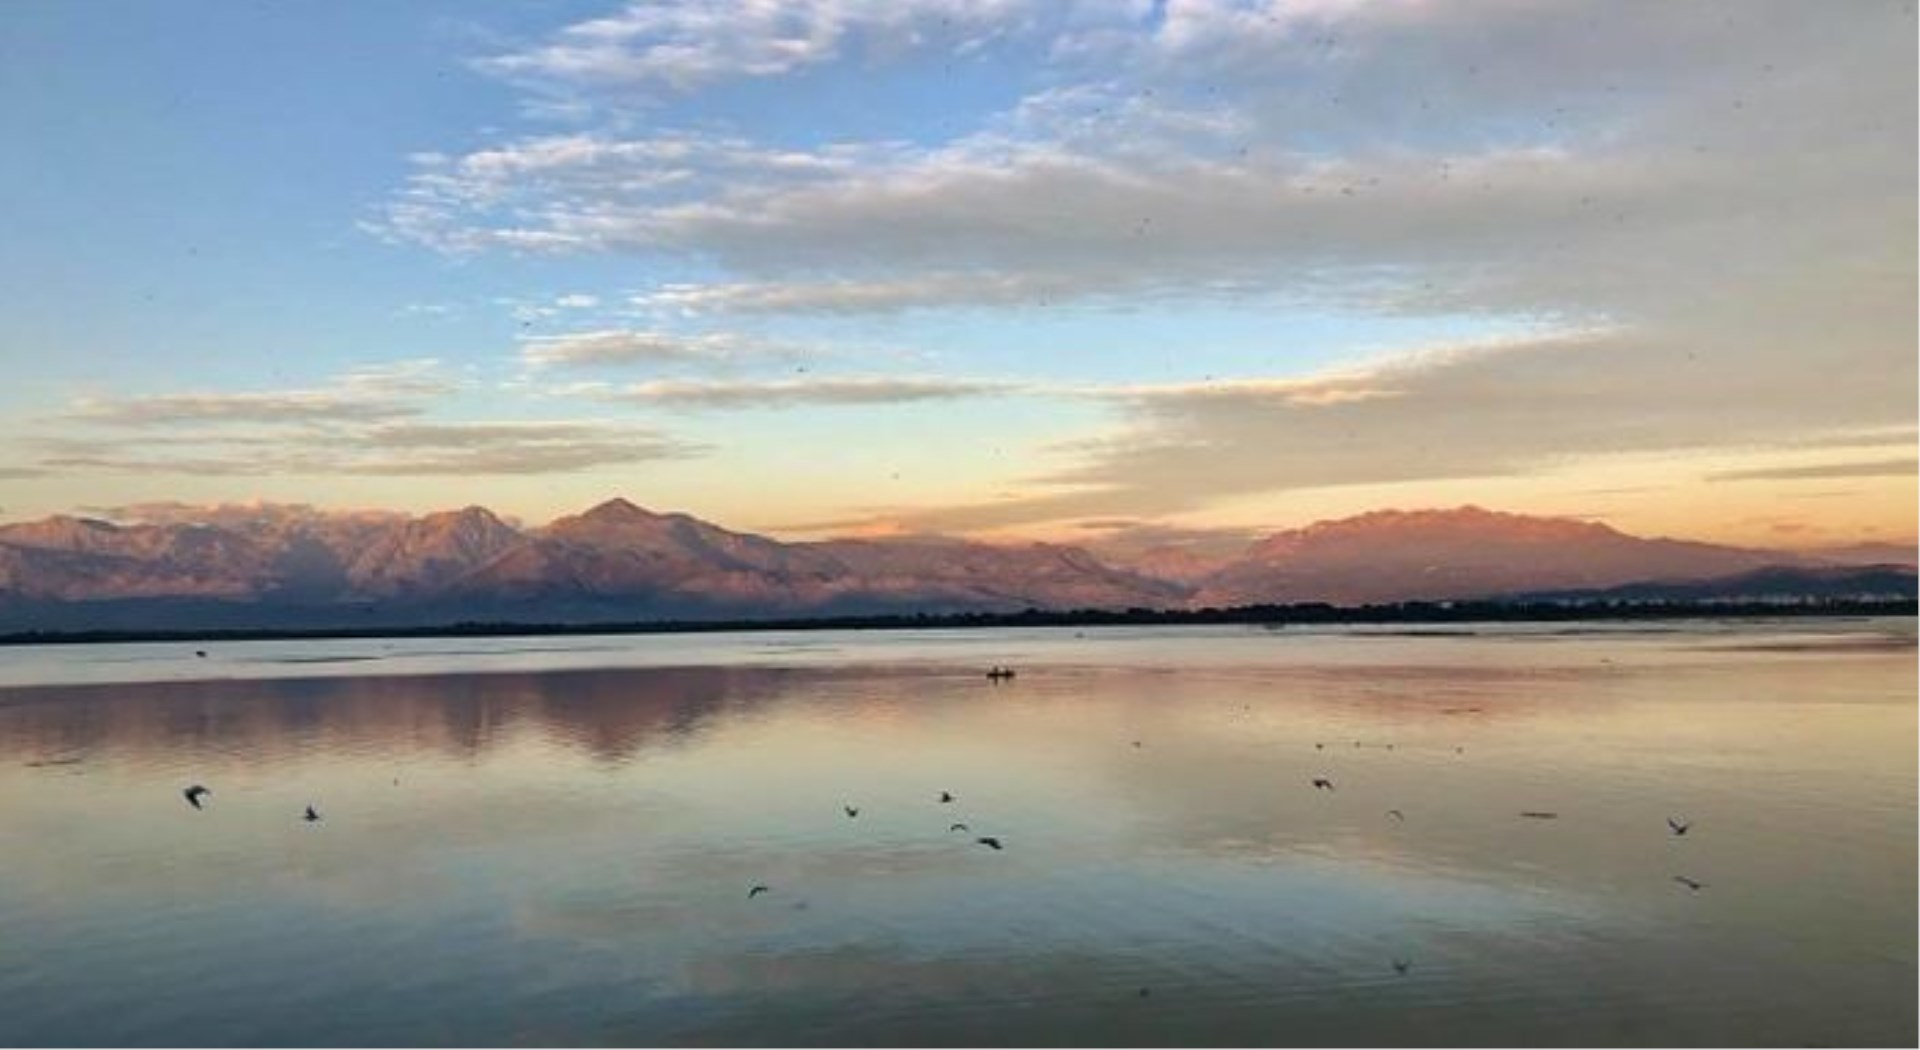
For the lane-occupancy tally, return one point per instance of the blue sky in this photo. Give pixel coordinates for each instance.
(964, 265)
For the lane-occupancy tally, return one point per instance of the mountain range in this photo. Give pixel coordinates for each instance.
(279, 567)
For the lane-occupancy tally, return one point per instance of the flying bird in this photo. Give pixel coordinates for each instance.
(1692, 884)
(1401, 966)
(1322, 784)
(1679, 826)
(1539, 814)
(946, 796)
(989, 840)
(959, 827)
(312, 815)
(201, 653)
(757, 891)
(852, 811)
(1396, 814)
(195, 793)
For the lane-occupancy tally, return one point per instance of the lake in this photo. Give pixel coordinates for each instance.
(553, 840)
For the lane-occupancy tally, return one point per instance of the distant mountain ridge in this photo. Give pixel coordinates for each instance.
(1467, 552)
(282, 567)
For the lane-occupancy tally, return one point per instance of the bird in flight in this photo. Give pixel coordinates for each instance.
(852, 811)
(312, 815)
(1322, 784)
(201, 653)
(1396, 814)
(1539, 814)
(946, 796)
(756, 891)
(1693, 884)
(959, 827)
(989, 840)
(195, 793)
(1679, 826)
(1401, 966)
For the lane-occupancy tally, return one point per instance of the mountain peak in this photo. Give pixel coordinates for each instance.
(617, 509)
(1460, 552)
(472, 514)
(1467, 519)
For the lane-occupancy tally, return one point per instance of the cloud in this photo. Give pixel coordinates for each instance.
(368, 421)
(368, 394)
(1506, 409)
(877, 295)
(681, 45)
(510, 448)
(412, 449)
(298, 406)
(1905, 467)
(777, 393)
(623, 346)
(1239, 143)
(1704, 209)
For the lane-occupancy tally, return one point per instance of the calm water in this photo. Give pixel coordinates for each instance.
(552, 841)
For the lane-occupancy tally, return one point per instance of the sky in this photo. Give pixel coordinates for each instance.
(1007, 268)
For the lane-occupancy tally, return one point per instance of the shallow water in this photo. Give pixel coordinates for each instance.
(552, 840)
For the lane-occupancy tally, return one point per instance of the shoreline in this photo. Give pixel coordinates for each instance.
(1273, 616)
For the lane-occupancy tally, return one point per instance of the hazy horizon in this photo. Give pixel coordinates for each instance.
(1002, 269)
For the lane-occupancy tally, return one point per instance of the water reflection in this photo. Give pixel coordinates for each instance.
(609, 715)
(564, 856)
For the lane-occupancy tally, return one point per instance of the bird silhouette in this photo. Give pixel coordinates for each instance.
(201, 653)
(1319, 747)
(852, 811)
(1396, 814)
(959, 827)
(194, 794)
(1693, 884)
(757, 891)
(946, 796)
(1322, 784)
(989, 840)
(1401, 966)
(1144, 992)
(1679, 826)
(312, 815)
(1539, 814)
